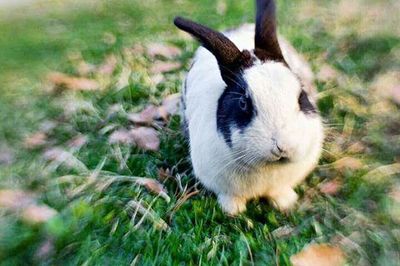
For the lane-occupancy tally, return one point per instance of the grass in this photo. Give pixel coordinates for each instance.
(94, 222)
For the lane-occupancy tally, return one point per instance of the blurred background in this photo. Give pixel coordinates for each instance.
(94, 168)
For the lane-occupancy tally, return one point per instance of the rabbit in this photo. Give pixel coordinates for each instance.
(254, 130)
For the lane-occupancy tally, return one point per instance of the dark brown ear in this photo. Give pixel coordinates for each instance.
(229, 57)
(266, 40)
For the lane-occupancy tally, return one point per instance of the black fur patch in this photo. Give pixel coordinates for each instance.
(235, 108)
(305, 105)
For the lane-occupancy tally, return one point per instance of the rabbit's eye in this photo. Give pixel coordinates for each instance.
(243, 103)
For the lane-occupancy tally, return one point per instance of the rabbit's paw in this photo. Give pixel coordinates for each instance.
(232, 205)
(285, 199)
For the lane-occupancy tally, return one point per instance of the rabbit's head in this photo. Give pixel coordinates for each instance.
(264, 114)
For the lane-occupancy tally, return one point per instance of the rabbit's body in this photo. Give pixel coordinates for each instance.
(253, 133)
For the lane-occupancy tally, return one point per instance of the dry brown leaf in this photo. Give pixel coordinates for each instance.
(121, 136)
(164, 174)
(396, 94)
(35, 214)
(164, 67)
(147, 116)
(356, 148)
(170, 106)
(78, 141)
(35, 141)
(171, 103)
(348, 163)
(159, 49)
(319, 255)
(154, 186)
(327, 73)
(109, 65)
(146, 138)
(63, 81)
(15, 199)
(331, 187)
(61, 156)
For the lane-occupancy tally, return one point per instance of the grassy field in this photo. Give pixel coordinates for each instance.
(71, 181)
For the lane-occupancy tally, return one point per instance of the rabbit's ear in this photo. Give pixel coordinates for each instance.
(266, 40)
(229, 57)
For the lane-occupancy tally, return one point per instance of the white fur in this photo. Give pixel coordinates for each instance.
(275, 90)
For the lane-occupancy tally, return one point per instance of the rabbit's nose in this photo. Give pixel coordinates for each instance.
(279, 152)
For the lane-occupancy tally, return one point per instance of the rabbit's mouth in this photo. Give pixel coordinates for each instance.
(251, 165)
(283, 160)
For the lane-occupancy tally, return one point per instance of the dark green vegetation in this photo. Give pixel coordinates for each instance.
(354, 46)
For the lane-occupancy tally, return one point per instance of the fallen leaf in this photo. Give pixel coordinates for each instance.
(61, 156)
(331, 187)
(35, 141)
(396, 94)
(356, 148)
(63, 81)
(35, 214)
(159, 49)
(146, 138)
(121, 136)
(164, 67)
(15, 199)
(319, 255)
(327, 73)
(170, 106)
(171, 103)
(164, 174)
(147, 116)
(109, 65)
(78, 141)
(348, 163)
(154, 186)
